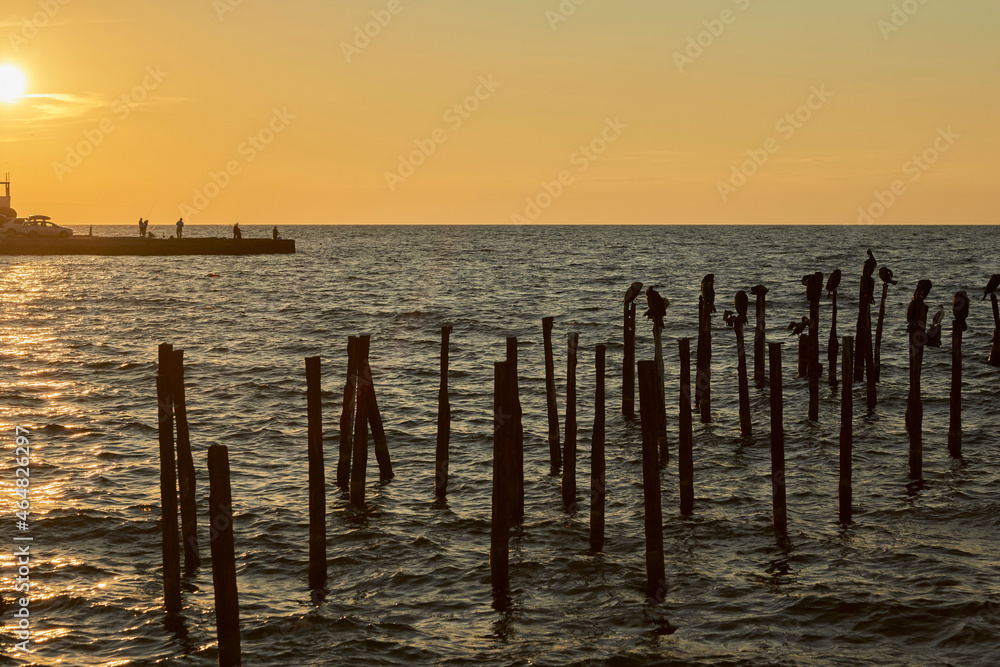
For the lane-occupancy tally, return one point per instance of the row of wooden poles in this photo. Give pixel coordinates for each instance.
(360, 411)
(508, 433)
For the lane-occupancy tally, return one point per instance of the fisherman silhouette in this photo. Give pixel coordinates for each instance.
(274, 233)
(237, 234)
(180, 228)
(142, 230)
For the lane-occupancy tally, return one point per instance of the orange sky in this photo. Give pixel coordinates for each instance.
(547, 111)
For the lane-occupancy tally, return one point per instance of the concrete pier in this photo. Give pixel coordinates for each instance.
(127, 245)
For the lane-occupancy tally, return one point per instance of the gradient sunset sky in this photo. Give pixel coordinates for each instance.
(132, 106)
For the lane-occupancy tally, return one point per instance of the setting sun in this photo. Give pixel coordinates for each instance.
(12, 83)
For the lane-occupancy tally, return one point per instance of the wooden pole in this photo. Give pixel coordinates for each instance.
(871, 377)
(597, 463)
(831, 348)
(500, 528)
(555, 456)
(516, 452)
(628, 364)
(227, 606)
(878, 332)
(960, 306)
(569, 453)
(168, 497)
(863, 347)
(994, 359)
(367, 384)
(685, 454)
(759, 335)
(916, 317)
(359, 455)
(704, 375)
(185, 465)
(744, 386)
(845, 491)
(649, 409)
(441, 454)
(317, 475)
(777, 443)
(347, 415)
(661, 435)
(814, 292)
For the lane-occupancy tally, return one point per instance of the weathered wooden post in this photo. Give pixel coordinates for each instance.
(704, 377)
(657, 310)
(597, 463)
(555, 456)
(831, 348)
(777, 443)
(347, 415)
(220, 509)
(317, 475)
(500, 527)
(742, 303)
(960, 309)
(759, 334)
(916, 318)
(185, 465)
(359, 457)
(628, 364)
(885, 274)
(863, 347)
(649, 409)
(441, 455)
(168, 491)
(845, 490)
(685, 454)
(516, 478)
(569, 455)
(814, 292)
(367, 384)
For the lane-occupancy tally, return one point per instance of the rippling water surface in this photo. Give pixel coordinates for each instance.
(915, 580)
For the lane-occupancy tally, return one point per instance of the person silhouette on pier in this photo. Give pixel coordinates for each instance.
(274, 233)
(180, 228)
(237, 234)
(142, 228)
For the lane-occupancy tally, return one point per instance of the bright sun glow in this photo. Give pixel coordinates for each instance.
(12, 83)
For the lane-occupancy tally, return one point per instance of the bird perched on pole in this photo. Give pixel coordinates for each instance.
(814, 285)
(759, 290)
(742, 303)
(708, 292)
(870, 264)
(991, 286)
(934, 329)
(833, 282)
(633, 291)
(885, 273)
(797, 327)
(656, 306)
